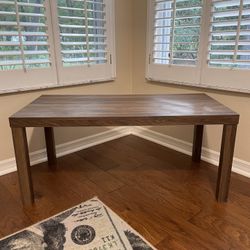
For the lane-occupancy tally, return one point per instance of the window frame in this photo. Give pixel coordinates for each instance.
(207, 77)
(176, 73)
(44, 78)
(18, 79)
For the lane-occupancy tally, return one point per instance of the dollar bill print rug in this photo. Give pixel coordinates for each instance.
(90, 225)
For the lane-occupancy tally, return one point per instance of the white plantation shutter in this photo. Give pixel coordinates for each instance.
(228, 56)
(85, 29)
(174, 37)
(204, 43)
(24, 45)
(177, 32)
(84, 40)
(230, 34)
(24, 39)
(47, 43)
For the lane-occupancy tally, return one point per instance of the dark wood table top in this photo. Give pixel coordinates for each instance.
(119, 110)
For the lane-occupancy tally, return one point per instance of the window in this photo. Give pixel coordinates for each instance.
(227, 56)
(203, 43)
(229, 44)
(39, 49)
(176, 32)
(25, 45)
(25, 50)
(83, 39)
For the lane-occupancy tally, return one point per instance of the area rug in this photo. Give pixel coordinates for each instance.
(90, 225)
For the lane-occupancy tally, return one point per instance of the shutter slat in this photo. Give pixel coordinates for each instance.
(230, 23)
(35, 52)
(19, 62)
(84, 59)
(39, 5)
(80, 35)
(12, 13)
(15, 33)
(24, 43)
(81, 51)
(83, 43)
(177, 51)
(222, 52)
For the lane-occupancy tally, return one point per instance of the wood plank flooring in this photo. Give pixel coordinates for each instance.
(160, 192)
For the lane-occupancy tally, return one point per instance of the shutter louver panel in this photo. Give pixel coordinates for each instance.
(82, 26)
(230, 34)
(23, 35)
(176, 31)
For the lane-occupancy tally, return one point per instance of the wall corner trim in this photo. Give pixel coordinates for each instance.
(239, 166)
(9, 165)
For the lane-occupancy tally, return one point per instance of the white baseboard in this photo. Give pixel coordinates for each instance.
(208, 155)
(9, 165)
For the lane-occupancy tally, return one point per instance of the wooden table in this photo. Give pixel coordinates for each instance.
(50, 111)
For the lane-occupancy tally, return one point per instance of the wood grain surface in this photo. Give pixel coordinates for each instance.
(121, 110)
(197, 142)
(23, 164)
(50, 146)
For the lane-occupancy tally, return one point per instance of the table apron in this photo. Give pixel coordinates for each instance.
(122, 121)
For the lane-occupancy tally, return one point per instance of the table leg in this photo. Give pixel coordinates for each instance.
(226, 160)
(23, 165)
(197, 142)
(50, 146)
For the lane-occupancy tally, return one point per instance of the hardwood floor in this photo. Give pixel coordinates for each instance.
(160, 192)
